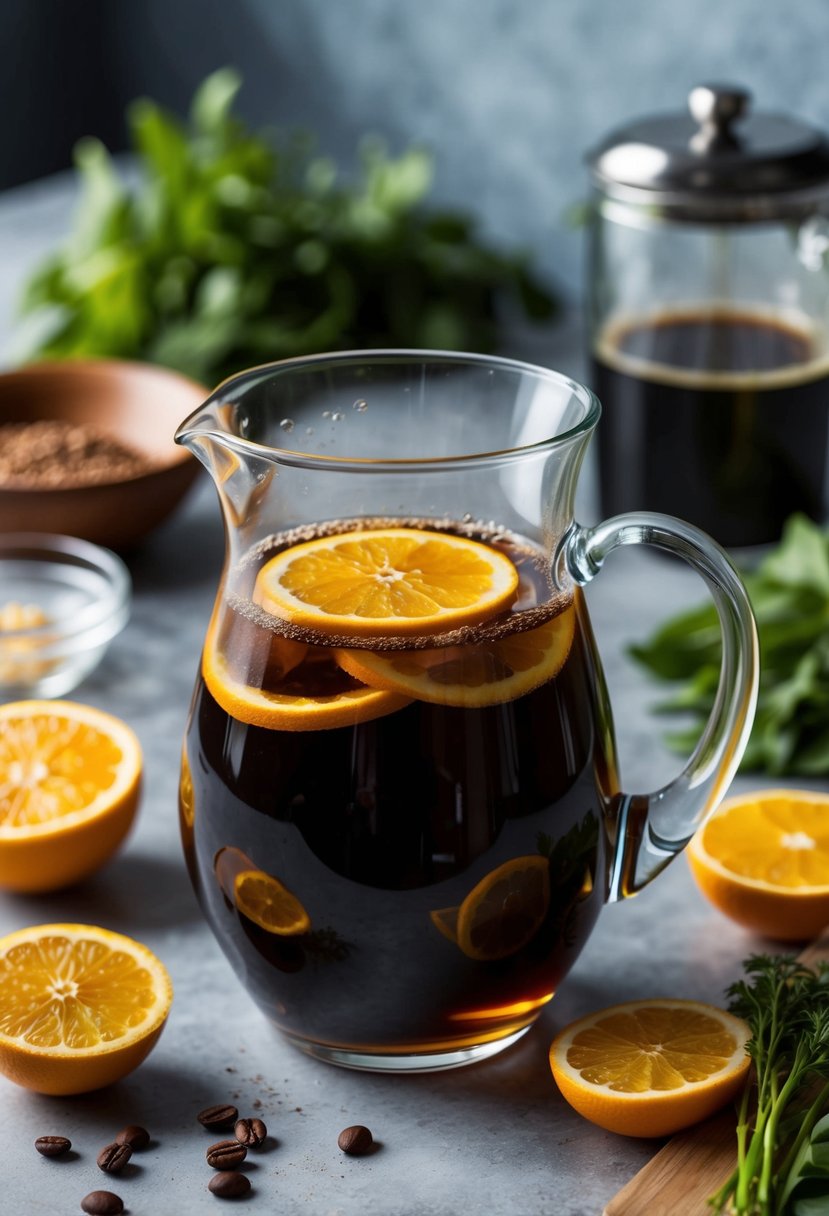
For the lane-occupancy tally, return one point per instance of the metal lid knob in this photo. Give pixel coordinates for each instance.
(715, 108)
(718, 161)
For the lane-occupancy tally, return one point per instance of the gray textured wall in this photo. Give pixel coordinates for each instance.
(508, 93)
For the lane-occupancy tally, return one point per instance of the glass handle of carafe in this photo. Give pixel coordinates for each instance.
(651, 828)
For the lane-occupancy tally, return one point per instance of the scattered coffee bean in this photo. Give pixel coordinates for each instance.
(113, 1157)
(102, 1203)
(355, 1140)
(251, 1132)
(214, 1118)
(136, 1137)
(52, 1146)
(226, 1155)
(229, 1184)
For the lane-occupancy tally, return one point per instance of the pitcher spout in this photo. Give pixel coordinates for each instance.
(212, 436)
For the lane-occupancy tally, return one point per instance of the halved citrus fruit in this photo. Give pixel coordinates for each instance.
(80, 1006)
(264, 900)
(287, 711)
(505, 910)
(70, 778)
(386, 581)
(473, 676)
(649, 1068)
(763, 860)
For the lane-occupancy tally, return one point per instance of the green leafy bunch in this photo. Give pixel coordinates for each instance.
(783, 1116)
(789, 592)
(233, 251)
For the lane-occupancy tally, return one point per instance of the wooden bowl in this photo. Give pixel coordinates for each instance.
(139, 404)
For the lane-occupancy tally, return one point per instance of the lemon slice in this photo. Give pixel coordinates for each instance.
(387, 581)
(649, 1068)
(473, 676)
(264, 900)
(763, 859)
(284, 711)
(504, 911)
(70, 779)
(80, 1006)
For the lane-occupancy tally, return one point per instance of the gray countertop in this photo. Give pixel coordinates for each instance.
(493, 1137)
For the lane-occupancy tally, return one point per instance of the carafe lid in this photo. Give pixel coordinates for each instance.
(718, 162)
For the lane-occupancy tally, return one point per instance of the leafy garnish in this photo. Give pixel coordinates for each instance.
(782, 1152)
(233, 250)
(789, 592)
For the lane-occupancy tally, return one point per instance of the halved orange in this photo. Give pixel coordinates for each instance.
(285, 711)
(80, 1006)
(270, 905)
(387, 581)
(70, 778)
(505, 910)
(763, 859)
(480, 674)
(649, 1068)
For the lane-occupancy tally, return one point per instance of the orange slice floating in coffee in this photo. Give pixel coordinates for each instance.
(505, 910)
(285, 711)
(387, 581)
(264, 900)
(485, 673)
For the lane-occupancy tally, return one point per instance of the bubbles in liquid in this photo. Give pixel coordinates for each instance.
(309, 430)
(360, 405)
(287, 424)
(467, 517)
(326, 413)
(338, 417)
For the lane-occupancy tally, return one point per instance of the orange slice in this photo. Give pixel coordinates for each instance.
(70, 778)
(763, 860)
(505, 910)
(485, 673)
(285, 711)
(80, 1007)
(264, 900)
(387, 581)
(445, 921)
(649, 1068)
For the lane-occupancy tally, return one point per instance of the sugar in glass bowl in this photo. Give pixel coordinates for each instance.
(62, 601)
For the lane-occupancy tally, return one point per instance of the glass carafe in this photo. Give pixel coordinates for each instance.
(708, 300)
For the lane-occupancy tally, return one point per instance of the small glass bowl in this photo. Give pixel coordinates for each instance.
(62, 601)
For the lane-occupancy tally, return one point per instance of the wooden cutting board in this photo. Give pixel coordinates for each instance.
(694, 1163)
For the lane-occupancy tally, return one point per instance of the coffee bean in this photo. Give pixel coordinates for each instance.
(355, 1140)
(113, 1157)
(52, 1146)
(251, 1132)
(226, 1154)
(216, 1117)
(102, 1203)
(230, 1184)
(133, 1135)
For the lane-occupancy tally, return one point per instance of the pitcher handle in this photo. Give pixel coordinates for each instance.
(652, 828)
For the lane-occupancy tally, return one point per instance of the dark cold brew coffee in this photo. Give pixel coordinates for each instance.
(718, 416)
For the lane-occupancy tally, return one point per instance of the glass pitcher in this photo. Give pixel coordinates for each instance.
(399, 796)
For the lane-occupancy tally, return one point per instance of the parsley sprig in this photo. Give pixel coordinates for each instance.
(235, 247)
(789, 592)
(781, 1119)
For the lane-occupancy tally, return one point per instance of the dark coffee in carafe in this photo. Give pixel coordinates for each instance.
(719, 416)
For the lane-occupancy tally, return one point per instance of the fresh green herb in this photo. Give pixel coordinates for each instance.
(232, 251)
(789, 592)
(782, 1149)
